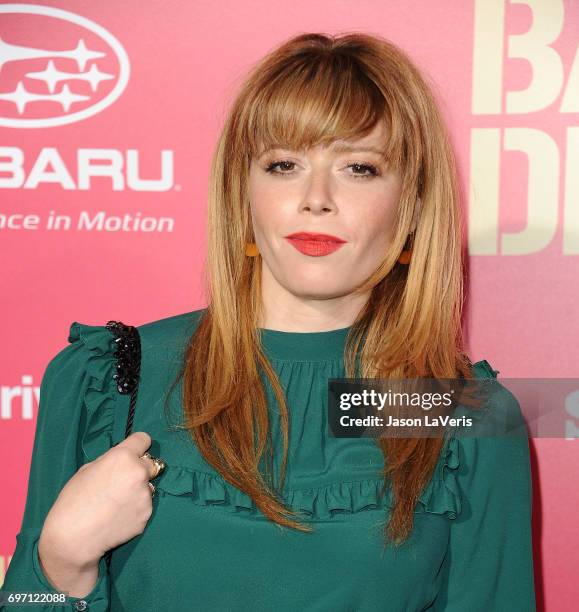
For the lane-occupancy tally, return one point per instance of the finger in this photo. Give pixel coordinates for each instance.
(138, 442)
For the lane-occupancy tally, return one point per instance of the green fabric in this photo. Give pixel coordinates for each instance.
(207, 548)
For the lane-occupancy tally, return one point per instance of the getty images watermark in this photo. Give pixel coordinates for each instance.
(427, 407)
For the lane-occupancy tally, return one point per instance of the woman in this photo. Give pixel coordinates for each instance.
(258, 507)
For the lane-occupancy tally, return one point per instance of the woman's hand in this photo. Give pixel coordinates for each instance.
(107, 502)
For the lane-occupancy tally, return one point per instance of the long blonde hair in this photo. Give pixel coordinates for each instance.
(314, 89)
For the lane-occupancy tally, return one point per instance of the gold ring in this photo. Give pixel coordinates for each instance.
(159, 464)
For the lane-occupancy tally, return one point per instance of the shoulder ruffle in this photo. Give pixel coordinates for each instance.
(101, 393)
(483, 369)
(441, 496)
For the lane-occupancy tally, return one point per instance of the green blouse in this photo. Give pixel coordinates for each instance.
(206, 546)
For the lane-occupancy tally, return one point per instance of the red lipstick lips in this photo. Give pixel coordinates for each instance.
(315, 245)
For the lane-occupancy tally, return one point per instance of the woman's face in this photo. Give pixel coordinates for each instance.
(349, 194)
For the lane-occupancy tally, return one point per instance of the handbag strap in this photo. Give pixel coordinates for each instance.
(128, 357)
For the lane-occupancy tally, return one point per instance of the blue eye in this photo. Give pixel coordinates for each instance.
(369, 168)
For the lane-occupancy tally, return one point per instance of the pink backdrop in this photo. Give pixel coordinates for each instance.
(134, 136)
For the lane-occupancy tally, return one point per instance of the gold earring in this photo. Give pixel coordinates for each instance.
(251, 249)
(405, 256)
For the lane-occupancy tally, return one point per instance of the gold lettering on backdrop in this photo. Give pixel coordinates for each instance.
(546, 157)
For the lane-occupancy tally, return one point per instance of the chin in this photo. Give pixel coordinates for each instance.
(316, 290)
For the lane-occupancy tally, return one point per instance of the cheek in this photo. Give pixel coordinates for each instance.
(271, 209)
(266, 217)
(376, 224)
(260, 205)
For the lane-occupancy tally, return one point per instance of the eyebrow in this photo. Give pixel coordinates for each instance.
(341, 148)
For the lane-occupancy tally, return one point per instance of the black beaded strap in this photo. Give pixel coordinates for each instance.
(128, 356)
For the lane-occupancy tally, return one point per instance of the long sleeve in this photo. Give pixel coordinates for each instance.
(489, 561)
(57, 455)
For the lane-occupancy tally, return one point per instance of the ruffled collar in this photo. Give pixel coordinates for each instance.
(304, 346)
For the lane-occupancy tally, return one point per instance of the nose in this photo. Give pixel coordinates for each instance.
(317, 195)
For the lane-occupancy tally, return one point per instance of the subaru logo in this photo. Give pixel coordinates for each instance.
(62, 69)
